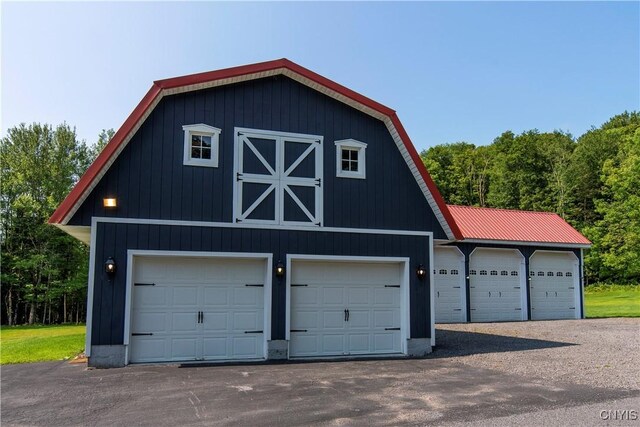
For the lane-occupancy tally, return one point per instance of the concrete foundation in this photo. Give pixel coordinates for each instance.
(278, 350)
(418, 347)
(107, 356)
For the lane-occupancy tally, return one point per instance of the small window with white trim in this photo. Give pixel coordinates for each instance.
(201, 144)
(350, 159)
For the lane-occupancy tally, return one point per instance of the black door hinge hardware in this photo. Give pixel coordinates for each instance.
(391, 286)
(144, 284)
(298, 285)
(252, 332)
(256, 285)
(138, 334)
(298, 330)
(391, 329)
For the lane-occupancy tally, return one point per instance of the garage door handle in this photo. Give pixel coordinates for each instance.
(298, 330)
(489, 293)
(391, 329)
(255, 285)
(499, 294)
(346, 315)
(438, 294)
(546, 294)
(391, 286)
(252, 332)
(139, 334)
(456, 287)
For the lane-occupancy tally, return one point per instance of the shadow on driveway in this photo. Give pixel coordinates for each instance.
(461, 343)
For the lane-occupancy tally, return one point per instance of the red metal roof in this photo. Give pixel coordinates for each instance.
(121, 137)
(517, 226)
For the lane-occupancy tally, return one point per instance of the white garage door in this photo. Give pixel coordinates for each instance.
(553, 286)
(495, 277)
(449, 285)
(197, 309)
(340, 309)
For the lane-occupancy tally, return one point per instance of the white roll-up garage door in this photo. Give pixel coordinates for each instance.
(344, 308)
(554, 285)
(496, 285)
(449, 285)
(186, 309)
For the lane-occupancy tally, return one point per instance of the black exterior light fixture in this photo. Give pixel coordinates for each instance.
(421, 272)
(279, 270)
(110, 267)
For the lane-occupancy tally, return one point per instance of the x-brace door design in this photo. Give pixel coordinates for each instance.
(277, 178)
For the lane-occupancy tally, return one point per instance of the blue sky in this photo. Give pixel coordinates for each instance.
(452, 71)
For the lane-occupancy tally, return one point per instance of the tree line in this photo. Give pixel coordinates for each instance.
(43, 270)
(592, 181)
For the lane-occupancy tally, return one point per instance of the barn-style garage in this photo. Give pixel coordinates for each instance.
(517, 266)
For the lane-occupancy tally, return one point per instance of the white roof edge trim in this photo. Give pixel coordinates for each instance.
(526, 243)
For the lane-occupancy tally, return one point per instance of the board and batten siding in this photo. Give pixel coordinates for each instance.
(150, 181)
(526, 251)
(115, 239)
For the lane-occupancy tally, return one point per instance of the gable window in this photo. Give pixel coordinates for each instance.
(201, 145)
(350, 159)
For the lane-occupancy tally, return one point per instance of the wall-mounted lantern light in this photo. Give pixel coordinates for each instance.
(110, 267)
(279, 269)
(421, 272)
(109, 202)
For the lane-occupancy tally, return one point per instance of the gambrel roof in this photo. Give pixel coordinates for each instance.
(192, 82)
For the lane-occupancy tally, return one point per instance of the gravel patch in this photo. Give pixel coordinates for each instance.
(596, 352)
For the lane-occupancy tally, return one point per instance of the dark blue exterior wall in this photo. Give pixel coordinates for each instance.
(115, 239)
(150, 181)
(526, 251)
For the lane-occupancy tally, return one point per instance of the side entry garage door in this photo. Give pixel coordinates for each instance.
(449, 285)
(344, 308)
(496, 288)
(186, 309)
(554, 286)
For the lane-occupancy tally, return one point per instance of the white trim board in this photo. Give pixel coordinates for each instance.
(405, 294)
(131, 253)
(210, 224)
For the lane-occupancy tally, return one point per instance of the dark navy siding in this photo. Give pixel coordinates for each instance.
(115, 239)
(150, 181)
(526, 251)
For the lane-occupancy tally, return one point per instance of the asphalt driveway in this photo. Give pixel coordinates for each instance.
(442, 389)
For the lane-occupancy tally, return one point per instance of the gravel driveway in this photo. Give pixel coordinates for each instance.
(595, 352)
(533, 373)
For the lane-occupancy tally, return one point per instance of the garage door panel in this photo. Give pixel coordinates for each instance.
(247, 346)
(356, 287)
(184, 296)
(216, 321)
(449, 285)
(186, 287)
(358, 296)
(331, 319)
(332, 295)
(183, 348)
(216, 296)
(246, 321)
(252, 296)
(183, 322)
(552, 286)
(154, 296)
(495, 293)
(146, 322)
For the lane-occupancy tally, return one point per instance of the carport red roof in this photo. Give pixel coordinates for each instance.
(514, 226)
(230, 75)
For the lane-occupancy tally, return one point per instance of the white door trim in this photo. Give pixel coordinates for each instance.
(576, 279)
(405, 323)
(463, 281)
(523, 278)
(132, 253)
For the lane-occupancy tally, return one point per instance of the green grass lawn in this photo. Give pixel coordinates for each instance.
(25, 344)
(612, 301)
